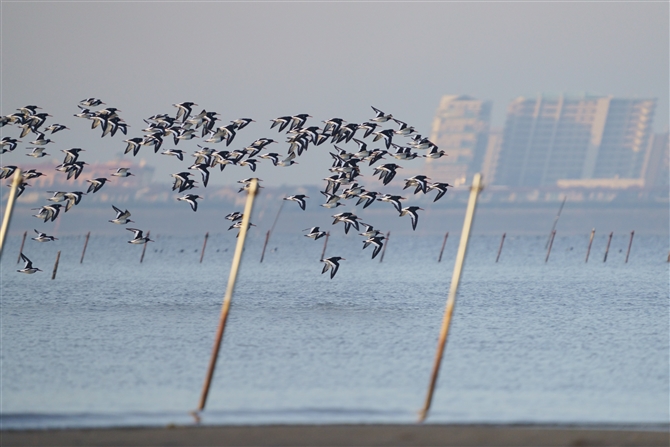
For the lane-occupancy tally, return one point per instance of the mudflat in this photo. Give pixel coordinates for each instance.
(345, 435)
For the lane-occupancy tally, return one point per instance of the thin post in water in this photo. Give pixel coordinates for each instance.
(23, 241)
(588, 250)
(53, 274)
(451, 300)
(553, 227)
(388, 235)
(325, 244)
(204, 245)
(9, 208)
(144, 248)
(551, 242)
(630, 243)
(267, 238)
(83, 252)
(444, 242)
(502, 241)
(237, 259)
(607, 249)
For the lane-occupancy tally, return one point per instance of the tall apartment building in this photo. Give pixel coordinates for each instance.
(551, 138)
(460, 128)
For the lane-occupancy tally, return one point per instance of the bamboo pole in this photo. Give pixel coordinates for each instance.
(265, 244)
(9, 208)
(23, 241)
(237, 259)
(551, 242)
(553, 227)
(325, 244)
(588, 250)
(444, 242)
(630, 243)
(144, 248)
(267, 236)
(502, 241)
(204, 245)
(451, 300)
(388, 235)
(53, 274)
(83, 252)
(607, 249)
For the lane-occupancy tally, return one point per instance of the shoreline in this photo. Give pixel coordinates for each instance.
(348, 435)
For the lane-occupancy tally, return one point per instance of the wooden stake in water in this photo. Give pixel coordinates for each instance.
(325, 244)
(204, 245)
(630, 244)
(444, 242)
(23, 241)
(388, 235)
(502, 241)
(53, 274)
(607, 249)
(10, 207)
(553, 227)
(83, 252)
(144, 248)
(551, 242)
(267, 238)
(588, 250)
(237, 259)
(451, 300)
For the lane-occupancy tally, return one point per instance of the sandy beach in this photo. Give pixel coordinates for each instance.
(345, 435)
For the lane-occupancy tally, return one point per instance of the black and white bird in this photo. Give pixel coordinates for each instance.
(203, 170)
(56, 128)
(394, 200)
(191, 199)
(42, 237)
(412, 211)
(37, 152)
(377, 241)
(332, 264)
(138, 239)
(91, 102)
(122, 172)
(235, 215)
(349, 220)
(184, 110)
(28, 268)
(314, 233)
(380, 116)
(420, 181)
(48, 212)
(7, 171)
(73, 198)
(121, 217)
(175, 153)
(441, 189)
(96, 184)
(10, 143)
(300, 198)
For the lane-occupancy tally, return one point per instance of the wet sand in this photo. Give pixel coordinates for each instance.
(345, 435)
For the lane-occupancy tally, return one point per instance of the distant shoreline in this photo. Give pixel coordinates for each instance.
(348, 435)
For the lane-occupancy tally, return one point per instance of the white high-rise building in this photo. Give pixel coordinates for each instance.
(460, 128)
(551, 138)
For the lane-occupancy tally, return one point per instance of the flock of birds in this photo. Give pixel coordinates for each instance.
(341, 185)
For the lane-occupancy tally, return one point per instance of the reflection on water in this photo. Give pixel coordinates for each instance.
(115, 342)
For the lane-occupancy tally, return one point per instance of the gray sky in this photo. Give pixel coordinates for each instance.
(263, 60)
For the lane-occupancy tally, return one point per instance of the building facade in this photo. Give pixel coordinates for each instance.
(460, 128)
(562, 137)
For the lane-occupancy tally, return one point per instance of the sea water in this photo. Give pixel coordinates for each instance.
(114, 342)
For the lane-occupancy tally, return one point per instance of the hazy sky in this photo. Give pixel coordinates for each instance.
(263, 60)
